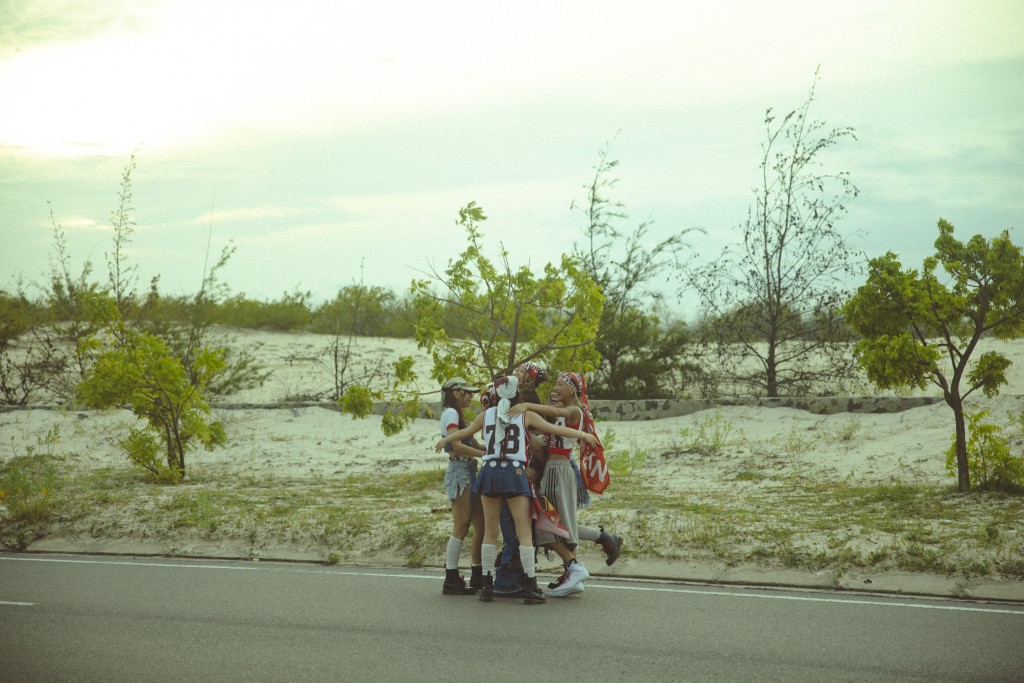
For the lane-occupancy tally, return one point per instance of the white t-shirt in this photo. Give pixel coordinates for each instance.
(450, 418)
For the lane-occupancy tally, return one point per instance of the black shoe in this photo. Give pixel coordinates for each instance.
(455, 584)
(533, 596)
(487, 592)
(476, 578)
(611, 544)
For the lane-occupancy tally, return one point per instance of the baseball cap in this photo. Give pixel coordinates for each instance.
(459, 383)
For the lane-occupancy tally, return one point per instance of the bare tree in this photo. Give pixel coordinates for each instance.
(641, 355)
(772, 301)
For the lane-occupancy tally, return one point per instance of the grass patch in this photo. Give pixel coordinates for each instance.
(814, 524)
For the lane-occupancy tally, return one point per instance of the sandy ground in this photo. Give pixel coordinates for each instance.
(317, 444)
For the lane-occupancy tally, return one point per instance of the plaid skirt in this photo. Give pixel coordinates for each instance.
(504, 479)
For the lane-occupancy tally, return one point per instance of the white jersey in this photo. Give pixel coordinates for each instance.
(515, 438)
(563, 445)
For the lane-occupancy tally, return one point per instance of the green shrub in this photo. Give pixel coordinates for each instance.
(989, 461)
(28, 496)
(712, 435)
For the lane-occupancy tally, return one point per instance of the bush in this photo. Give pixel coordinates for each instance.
(29, 496)
(989, 461)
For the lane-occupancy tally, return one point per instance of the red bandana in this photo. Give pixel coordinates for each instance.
(593, 467)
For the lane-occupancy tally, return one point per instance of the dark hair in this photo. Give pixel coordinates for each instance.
(448, 401)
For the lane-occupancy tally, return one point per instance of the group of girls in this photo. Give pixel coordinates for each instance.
(513, 412)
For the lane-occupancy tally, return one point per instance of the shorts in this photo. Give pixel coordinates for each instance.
(504, 479)
(459, 477)
(558, 485)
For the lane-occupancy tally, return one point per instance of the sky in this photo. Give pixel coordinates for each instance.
(332, 143)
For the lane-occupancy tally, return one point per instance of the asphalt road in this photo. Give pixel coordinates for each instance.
(141, 619)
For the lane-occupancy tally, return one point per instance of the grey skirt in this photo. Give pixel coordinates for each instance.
(558, 485)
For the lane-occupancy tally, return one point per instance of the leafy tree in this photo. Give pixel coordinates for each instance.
(479, 320)
(918, 330)
(787, 276)
(488, 318)
(133, 368)
(639, 354)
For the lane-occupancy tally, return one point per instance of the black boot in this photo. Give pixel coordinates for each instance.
(487, 592)
(534, 596)
(454, 584)
(476, 577)
(611, 544)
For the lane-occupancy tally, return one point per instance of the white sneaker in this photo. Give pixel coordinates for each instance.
(575, 575)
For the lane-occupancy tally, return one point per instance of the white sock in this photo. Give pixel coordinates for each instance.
(451, 558)
(587, 534)
(488, 553)
(528, 556)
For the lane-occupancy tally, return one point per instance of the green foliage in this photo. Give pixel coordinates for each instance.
(488, 319)
(365, 311)
(623, 463)
(989, 461)
(291, 312)
(712, 434)
(917, 329)
(774, 296)
(27, 491)
(138, 370)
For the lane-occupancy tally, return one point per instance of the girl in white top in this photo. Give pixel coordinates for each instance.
(503, 476)
(456, 396)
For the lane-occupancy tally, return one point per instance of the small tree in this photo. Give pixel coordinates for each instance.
(488, 319)
(788, 275)
(911, 321)
(133, 368)
(480, 321)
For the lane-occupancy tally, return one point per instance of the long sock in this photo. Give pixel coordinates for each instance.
(527, 555)
(488, 552)
(451, 558)
(587, 534)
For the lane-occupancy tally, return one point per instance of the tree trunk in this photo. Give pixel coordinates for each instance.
(963, 472)
(771, 373)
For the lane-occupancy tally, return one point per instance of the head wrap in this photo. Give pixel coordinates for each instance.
(489, 397)
(506, 389)
(535, 372)
(592, 464)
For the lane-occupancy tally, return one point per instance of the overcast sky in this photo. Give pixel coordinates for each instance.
(317, 137)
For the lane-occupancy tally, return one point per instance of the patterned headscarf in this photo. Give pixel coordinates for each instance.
(592, 463)
(536, 372)
(506, 388)
(489, 397)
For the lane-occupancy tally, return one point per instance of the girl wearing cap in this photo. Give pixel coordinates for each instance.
(503, 476)
(559, 482)
(456, 395)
